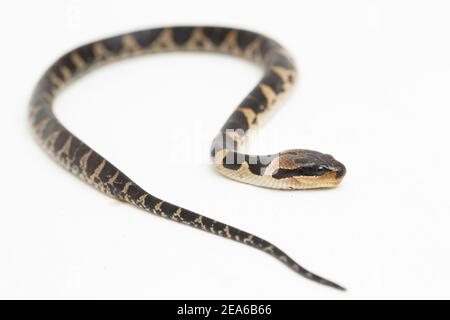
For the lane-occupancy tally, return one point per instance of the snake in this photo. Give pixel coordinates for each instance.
(292, 169)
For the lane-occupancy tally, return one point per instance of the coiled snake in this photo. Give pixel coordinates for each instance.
(292, 169)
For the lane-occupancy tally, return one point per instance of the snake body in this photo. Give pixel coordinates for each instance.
(292, 169)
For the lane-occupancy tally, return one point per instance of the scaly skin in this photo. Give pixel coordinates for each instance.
(81, 160)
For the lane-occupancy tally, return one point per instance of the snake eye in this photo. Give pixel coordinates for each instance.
(321, 170)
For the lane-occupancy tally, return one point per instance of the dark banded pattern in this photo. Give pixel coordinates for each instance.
(91, 167)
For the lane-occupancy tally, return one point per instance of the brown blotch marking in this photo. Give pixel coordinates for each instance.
(296, 268)
(66, 73)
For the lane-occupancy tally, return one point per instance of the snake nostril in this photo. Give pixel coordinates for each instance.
(340, 171)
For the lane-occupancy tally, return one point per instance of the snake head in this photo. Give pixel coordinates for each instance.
(306, 169)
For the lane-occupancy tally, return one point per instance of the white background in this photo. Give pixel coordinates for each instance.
(374, 92)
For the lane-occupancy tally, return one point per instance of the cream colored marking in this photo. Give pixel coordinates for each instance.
(237, 237)
(218, 158)
(273, 166)
(296, 268)
(56, 80)
(98, 170)
(77, 60)
(52, 138)
(248, 239)
(250, 115)
(198, 36)
(113, 178)
(227, 231)
(199, 221)
(235, 136)
(177, 215)
(100, 51)
(67, 74)
(253, 48)
(269, 249)
(127, 186)
(283, 258)
(35, 109)
(66, 147)
(142, 198)
(158, 206)
(270, 95)
(164, 41)
(229, 44)
(159, 210)
(284, 73)
(84, 159)
(130, 44)
(40, 127)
